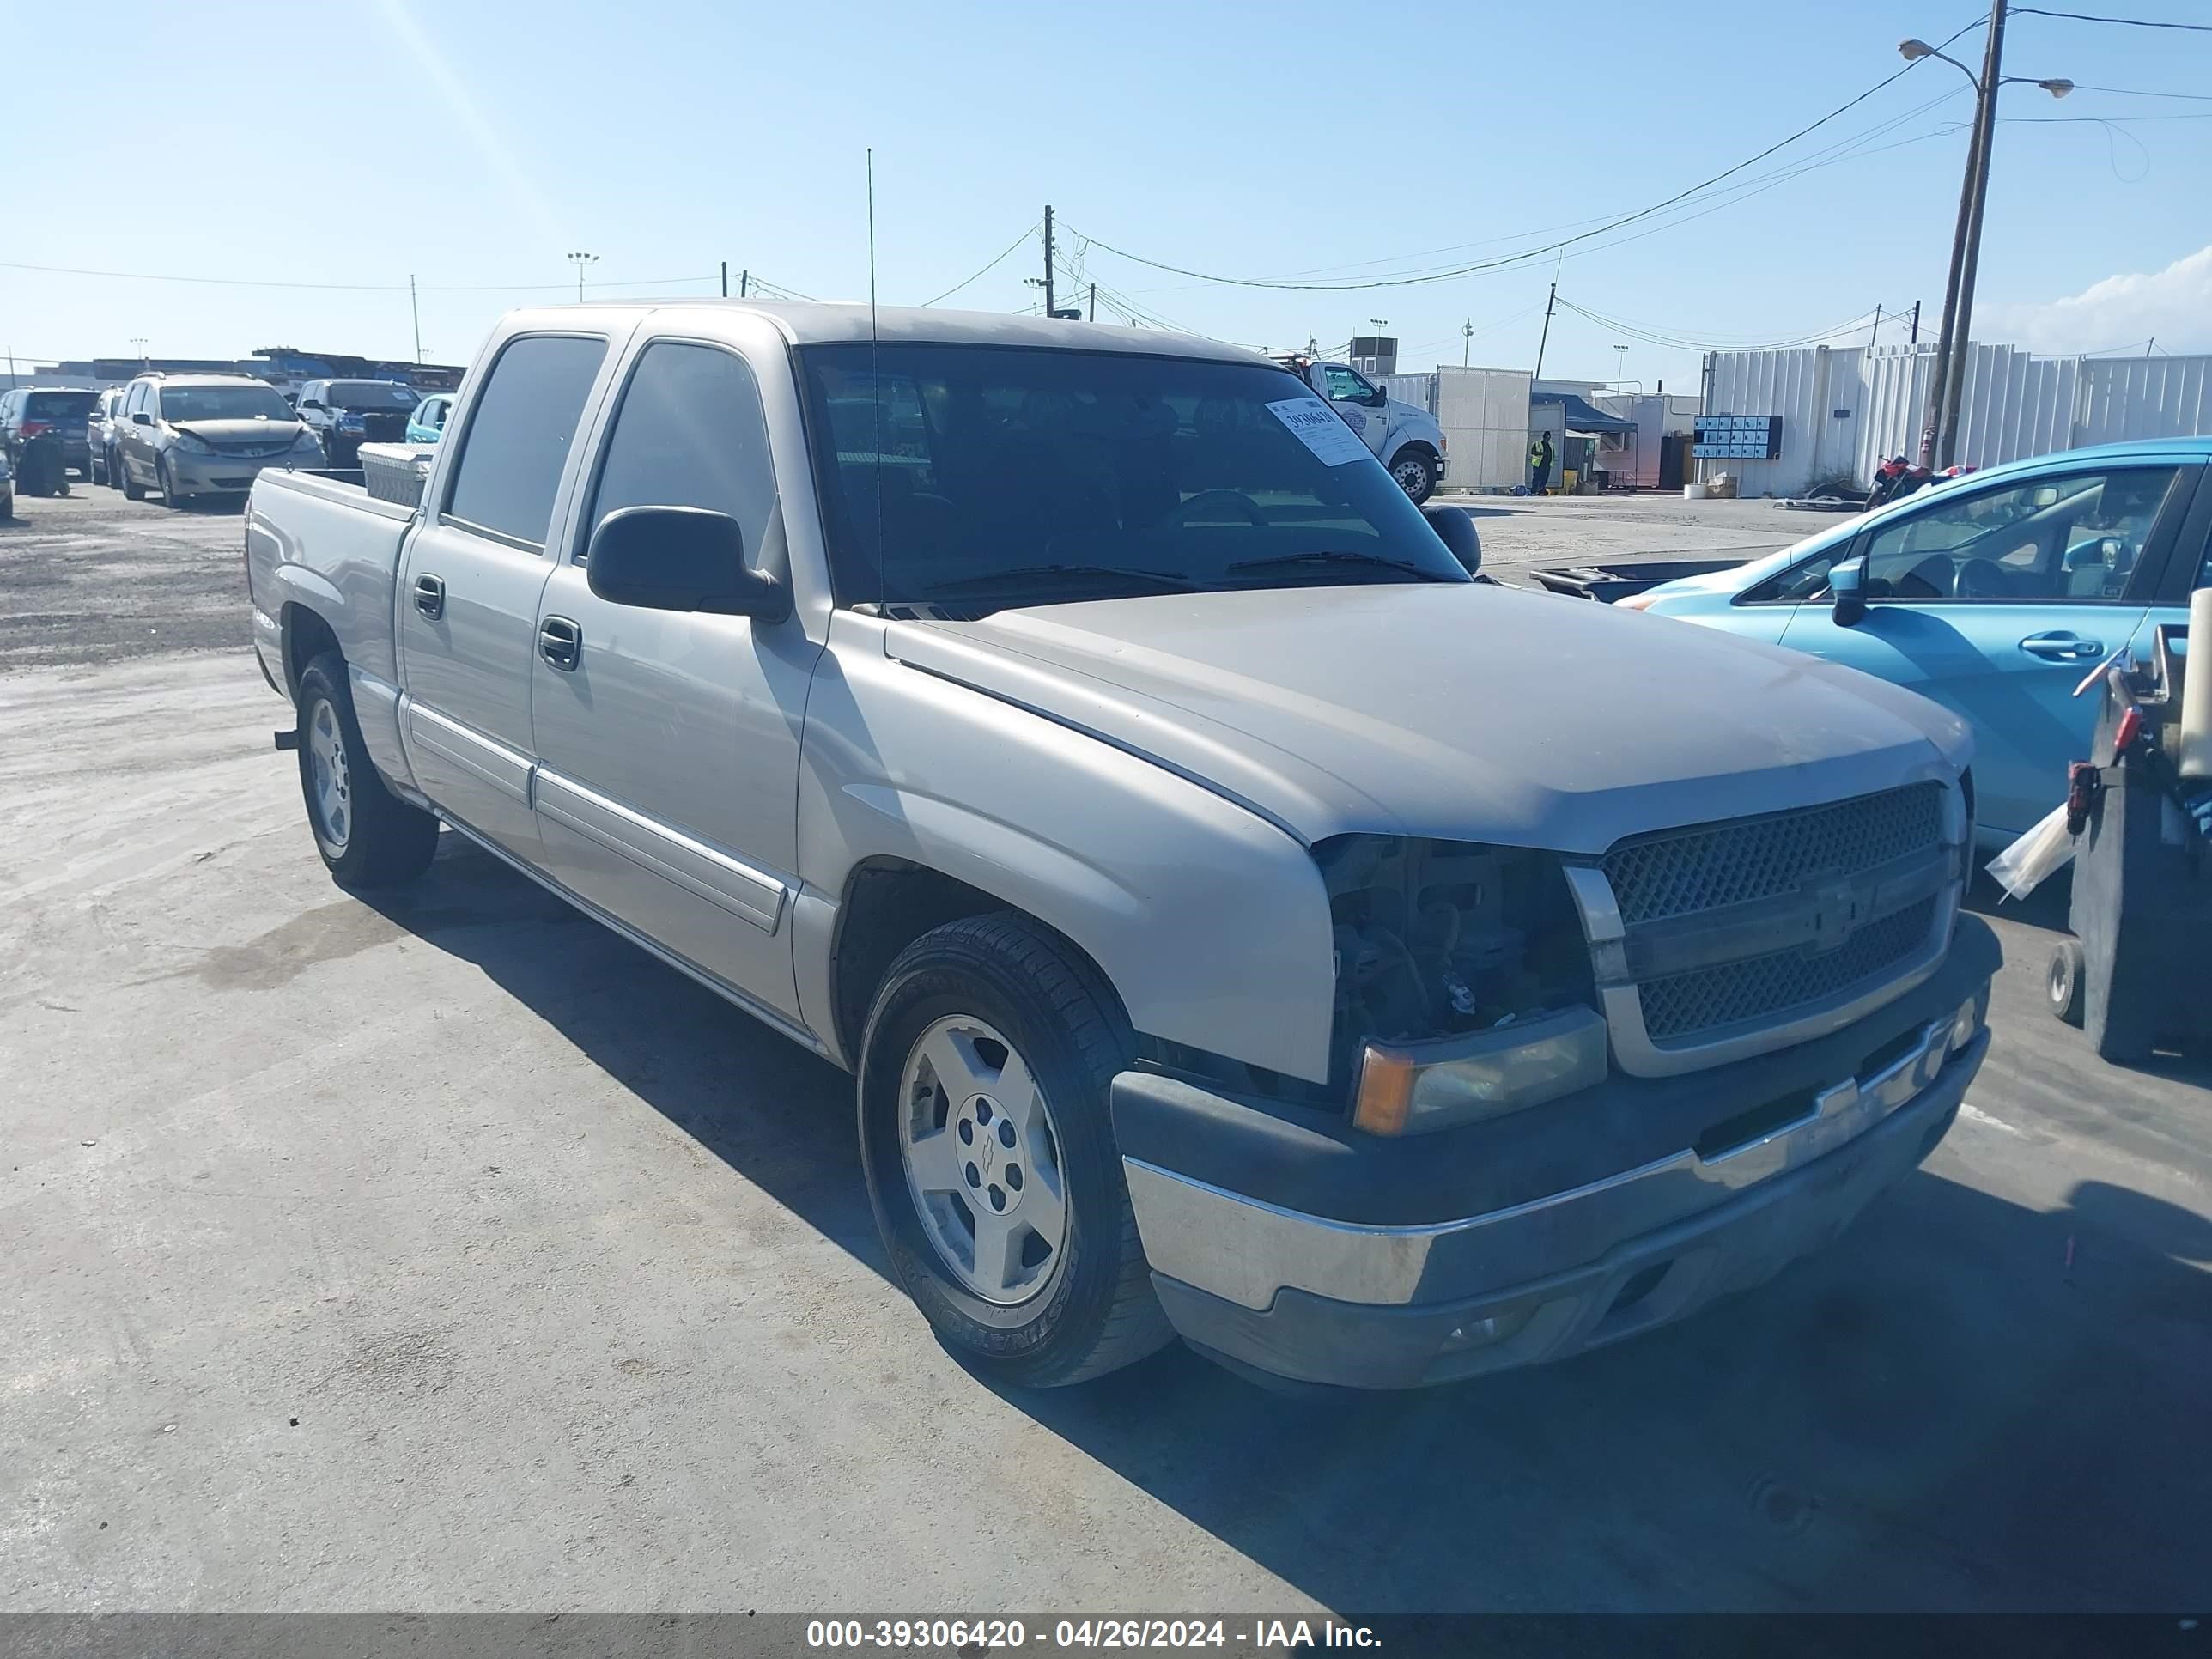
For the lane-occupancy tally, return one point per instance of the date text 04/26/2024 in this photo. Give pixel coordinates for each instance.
(1258, 1635)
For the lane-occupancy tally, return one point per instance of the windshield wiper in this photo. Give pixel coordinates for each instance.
(1340, 555)
(989, 578)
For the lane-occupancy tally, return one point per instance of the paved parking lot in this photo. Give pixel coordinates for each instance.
(451, 1254)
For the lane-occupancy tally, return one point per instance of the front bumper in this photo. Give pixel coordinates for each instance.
(206, 474)
(1322, 1290)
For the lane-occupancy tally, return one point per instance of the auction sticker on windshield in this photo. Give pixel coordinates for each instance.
(1319, 430)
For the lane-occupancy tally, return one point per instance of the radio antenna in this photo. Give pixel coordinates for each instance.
(875, 397)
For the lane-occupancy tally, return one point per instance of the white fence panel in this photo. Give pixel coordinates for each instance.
(1848, 410)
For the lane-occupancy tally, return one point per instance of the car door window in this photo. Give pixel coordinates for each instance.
(2076, 537)
(689, 432)
(517, 438)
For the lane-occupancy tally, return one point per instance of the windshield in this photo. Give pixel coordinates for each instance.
(59, 405)
(223, 402)
(369, 394)
(1015, 475)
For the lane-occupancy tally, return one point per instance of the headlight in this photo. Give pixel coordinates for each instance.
(1463, 983)
(192, 445)
(307, 444)
(1407, 1088)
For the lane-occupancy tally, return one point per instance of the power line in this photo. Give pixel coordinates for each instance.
(1527, 254)
(1678, 341)
(2137, 92)
(2131, 22)
(986, 270)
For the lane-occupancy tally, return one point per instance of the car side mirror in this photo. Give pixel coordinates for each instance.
(680, 558)
(1847, 585)
(1457, 531)
(141, 418)
(1377, 398)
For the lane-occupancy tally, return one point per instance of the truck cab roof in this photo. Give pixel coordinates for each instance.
(847, 322)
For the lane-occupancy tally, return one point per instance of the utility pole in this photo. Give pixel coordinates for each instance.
(1545, 339)
(1954, 383)
(745, 282)
(1939, 439)
(1875, 339)
(1048, 259)
(1465, 336)
(1915, 339)
(415, 306)
(726, 279)
(1092, 316)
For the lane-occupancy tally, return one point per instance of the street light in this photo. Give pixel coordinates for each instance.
(139, 340)
(1378, 324)
(581, 260)
(1939, 439)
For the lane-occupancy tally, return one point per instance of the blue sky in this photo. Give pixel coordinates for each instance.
(475, 143)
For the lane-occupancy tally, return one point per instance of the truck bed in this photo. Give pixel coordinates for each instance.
(320, 539)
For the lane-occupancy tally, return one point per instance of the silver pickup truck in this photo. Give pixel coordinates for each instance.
(1239, 923)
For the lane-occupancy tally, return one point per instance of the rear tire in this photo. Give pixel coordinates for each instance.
(2062, 985)
(367, 835)
(1415, 471)
(1029, 1037)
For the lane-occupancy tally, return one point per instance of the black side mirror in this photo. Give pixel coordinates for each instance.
(1457, 531)
(141, 418)
(1377, 398)
(1847, 584)
(680, 558)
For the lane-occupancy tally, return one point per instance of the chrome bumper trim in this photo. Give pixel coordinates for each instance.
(1245, 1250)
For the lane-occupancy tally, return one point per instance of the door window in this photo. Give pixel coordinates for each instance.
(1347, 386)
(689, 432)
(517, 439)
(2076, 537)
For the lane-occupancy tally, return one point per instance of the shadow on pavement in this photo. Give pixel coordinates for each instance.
(1964, 1404)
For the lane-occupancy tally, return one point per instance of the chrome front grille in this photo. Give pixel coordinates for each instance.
(1758, 988)
(1683, 871)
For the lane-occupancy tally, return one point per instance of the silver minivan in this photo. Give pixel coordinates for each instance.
(203, 435)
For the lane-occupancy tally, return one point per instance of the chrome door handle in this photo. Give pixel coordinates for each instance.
(2062, 648)
(561, 642)
(430, 596)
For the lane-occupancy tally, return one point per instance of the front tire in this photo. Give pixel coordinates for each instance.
(133, 489)
(167, 481)
(1415, 469)
(368, 837)
(987, 1141)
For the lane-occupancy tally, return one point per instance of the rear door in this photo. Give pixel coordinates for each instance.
(668, 741)
(1997, 600)
(469, 588)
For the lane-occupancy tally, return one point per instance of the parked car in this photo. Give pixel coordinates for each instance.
(7, 488)
(1994, 594)
(99, 435)
(1240, 922)
(1405, 438)
(200, 434)
(347, 414)
(28, 414)
(428, 423)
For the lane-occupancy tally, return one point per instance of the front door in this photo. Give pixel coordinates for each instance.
(1996, 602)
(468, 600)
(1361, 404)
(668, 741)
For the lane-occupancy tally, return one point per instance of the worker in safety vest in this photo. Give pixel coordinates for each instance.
(1540, 463)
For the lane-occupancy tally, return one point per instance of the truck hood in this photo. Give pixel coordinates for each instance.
(1464, 712)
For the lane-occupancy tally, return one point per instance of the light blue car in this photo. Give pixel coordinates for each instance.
(428, 423)
(1994, 594)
